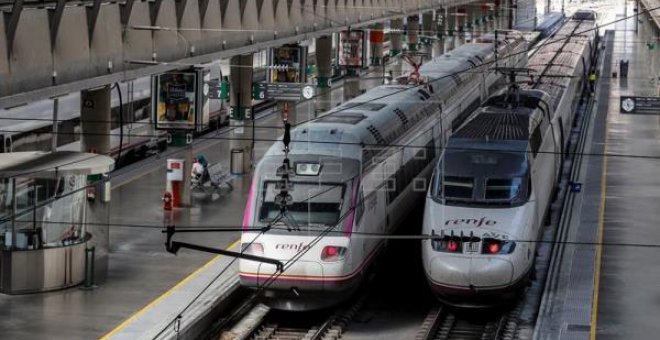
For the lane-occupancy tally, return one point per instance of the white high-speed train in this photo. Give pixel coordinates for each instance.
(494, 181)
(355, 172)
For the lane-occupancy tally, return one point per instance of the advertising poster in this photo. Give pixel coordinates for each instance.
(351, 48)
(287, 63)
(205, 103)
(175, 99)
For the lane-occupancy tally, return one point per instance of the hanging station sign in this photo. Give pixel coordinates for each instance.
(180, 99)
(351, 49)
(287, 75)
(641, 105)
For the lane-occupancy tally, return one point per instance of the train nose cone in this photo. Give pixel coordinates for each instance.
(450, 270)
(471, 272)
(490, 271)
(307, 275)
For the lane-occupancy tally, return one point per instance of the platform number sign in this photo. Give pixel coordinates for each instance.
(259, 91)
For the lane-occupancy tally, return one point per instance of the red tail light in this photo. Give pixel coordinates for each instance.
(333, 253)
(448, 244)
(493, 246)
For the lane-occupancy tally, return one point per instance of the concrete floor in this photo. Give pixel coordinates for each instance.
(629, 295)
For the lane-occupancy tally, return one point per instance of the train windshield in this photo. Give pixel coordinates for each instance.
(479, 178)
(314, 205)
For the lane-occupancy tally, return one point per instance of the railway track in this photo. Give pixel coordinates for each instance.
(443, 323)
(263, 324)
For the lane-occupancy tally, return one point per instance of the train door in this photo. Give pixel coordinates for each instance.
(483, 86)
(560, 149)
(373, 210)
(6, 144)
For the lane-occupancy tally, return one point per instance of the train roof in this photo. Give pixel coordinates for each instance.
(381, 115)
(497, 124)
(503, 123)
(469, 144)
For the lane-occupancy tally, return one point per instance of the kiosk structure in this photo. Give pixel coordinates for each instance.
(45, 200)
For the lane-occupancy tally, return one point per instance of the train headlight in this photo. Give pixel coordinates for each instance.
(493, 246)
(333, 253)
(254, 249)
(308, 169)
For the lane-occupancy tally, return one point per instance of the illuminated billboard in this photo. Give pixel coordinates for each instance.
(177, 102)
(351, 48)
(288, 64)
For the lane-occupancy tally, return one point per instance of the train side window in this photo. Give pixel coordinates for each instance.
(536, 140)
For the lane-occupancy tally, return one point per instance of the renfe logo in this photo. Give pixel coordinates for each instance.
(470, 221)
(292, 246)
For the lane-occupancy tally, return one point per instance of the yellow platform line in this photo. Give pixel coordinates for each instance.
(166, 294)
(599, 238)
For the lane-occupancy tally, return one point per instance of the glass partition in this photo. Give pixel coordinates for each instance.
(40, 213)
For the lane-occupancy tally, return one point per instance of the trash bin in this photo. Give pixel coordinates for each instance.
(236, 161)
(623, 68)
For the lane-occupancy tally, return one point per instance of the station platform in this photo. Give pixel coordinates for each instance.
(606, 286)
(145, 287)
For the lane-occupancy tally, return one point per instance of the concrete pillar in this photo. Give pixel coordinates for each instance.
(427, 24)
(352, 84)
(460, 28)
(376, 40)
(95, 120)
(450, 18)
(324, 69)
(478, 25)
(413, 32)
(240, 101)
(396, 45)
(439, 24)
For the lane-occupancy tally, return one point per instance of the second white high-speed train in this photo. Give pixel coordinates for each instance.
(356, 169)
(494, 181)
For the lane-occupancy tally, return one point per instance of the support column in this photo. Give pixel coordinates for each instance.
(56, 124)
(396, 46)
(451, 32)
(240, 112)
(324, 69)
(413, 32)
(351, 84)
(95, 120)
(510, 13)
(427, 24)
(471, 26)
(376, 39)
(460, 28)
(428, 34)
(440, 33)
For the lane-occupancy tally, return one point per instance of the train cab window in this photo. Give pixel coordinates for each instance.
(455, 187)
(504, 188)
(312, 205)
